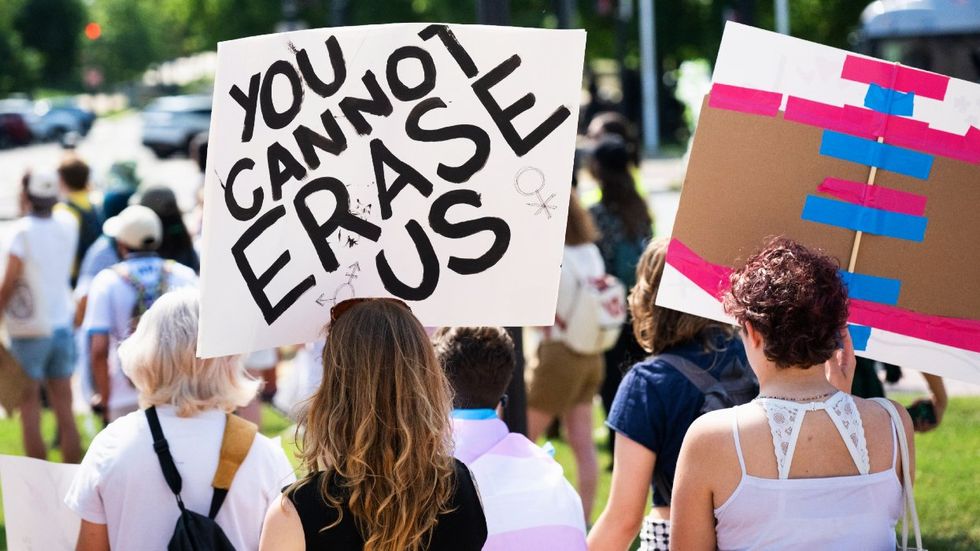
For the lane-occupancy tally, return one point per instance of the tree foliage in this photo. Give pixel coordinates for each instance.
(40, 39)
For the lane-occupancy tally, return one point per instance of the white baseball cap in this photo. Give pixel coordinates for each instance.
(137, 227)
(43, 185)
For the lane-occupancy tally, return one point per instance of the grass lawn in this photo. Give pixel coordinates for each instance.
(947, 475)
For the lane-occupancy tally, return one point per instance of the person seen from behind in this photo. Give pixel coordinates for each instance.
(73, 174)
(120, 491)
(528, 502)
(624, 225)
(805, 465)
(118, 296)
(177, 244)
(657, 402)
(376, 444)
(35, 302)
(561, 383)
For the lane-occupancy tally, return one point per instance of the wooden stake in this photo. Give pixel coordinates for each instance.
(857, 236)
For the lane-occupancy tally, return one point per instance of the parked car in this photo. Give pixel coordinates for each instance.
(170, 123)
(13, 130)
(64, 117)
(25, 108)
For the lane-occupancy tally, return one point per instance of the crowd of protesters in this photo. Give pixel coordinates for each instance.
(400, 442)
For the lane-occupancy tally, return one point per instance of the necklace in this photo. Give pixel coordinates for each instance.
(806, 399)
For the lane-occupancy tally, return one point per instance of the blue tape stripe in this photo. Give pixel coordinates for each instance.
(859, 335)
(866, 219)
(888, 101)
(883, 290)
(871, 153)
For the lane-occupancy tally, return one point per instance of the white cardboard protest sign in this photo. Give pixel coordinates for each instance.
(430, 163)
(34, 510)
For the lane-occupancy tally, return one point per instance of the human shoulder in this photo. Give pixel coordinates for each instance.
(710, 431)
(876, 417)
(180, 273)
(113, 443)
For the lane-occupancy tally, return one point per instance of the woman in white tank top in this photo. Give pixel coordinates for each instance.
(805, 465)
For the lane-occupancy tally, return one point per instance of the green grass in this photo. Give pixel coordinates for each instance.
(947, 475)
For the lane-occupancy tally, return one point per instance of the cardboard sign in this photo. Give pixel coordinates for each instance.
(864, 159)
(431, 163)
(35, 514)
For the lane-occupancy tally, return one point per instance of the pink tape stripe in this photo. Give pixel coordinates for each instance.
(746, 100)
(896, 77)
(710, 277)
(955, 332)
(878, 197)
(901, 131)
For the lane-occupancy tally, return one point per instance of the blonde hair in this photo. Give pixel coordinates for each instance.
(159, 358)
(657, 328)
(380, 422)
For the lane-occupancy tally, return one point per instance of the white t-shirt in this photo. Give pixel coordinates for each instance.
(110, 309)
(120, 483)
(46, 246)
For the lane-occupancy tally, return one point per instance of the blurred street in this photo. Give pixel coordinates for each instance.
(110, 140)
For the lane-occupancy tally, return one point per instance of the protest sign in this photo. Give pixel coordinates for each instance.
(876, 163)
(35, 513)
(431, 163)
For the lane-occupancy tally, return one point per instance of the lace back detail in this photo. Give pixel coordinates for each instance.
(848, 421)
(786, 419)
(784, 422)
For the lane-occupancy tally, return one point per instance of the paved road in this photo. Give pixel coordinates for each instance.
(111, 140)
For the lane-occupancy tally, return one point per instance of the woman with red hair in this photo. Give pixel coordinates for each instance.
(805, 465)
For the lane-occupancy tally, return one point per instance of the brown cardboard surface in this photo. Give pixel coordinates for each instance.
(749, 176)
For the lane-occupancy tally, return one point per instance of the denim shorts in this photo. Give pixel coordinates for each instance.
(46, 357)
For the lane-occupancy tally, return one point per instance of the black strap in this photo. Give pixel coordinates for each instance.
(217, 500)
(162, 449)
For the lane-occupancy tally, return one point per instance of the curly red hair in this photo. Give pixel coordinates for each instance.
(794, 297)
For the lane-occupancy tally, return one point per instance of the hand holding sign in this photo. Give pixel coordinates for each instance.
(377, 161)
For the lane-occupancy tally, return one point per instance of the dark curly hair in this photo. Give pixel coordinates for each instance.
(794, 297)
(478, 361)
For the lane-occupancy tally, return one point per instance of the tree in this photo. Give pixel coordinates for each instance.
(53, 28)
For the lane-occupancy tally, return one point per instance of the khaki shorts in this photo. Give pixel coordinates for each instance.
(559, 379)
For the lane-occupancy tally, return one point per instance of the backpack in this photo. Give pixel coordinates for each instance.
(89, 229)
(194, 531)
(597, 315)
(737, 384)
(144, 296)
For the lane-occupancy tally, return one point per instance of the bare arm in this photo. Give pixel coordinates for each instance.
(282, 530)
(620, 522)
(99, 352)
(15, 268)
(692, 515)
(92, 537)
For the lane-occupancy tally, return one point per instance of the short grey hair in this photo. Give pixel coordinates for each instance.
(160, 358)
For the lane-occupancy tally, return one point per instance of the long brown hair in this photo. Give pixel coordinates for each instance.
(379, 426)
(580, 229)
(657, 328)
(610, 166)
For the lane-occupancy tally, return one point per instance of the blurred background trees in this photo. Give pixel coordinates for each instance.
(97, 45)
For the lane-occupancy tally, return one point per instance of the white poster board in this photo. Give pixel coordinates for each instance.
(34, 510)
(430, 163)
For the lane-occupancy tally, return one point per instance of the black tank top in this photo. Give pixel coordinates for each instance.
(464, 528)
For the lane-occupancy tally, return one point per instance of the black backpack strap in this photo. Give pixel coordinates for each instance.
(162, 449)
(235, 445)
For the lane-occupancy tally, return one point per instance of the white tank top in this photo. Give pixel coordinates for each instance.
(842, 512)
